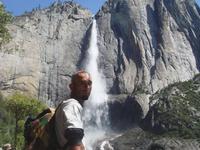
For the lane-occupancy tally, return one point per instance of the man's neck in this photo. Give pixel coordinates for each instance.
(78, 99)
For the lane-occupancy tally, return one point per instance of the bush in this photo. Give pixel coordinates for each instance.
(14, 110)
(6, 123)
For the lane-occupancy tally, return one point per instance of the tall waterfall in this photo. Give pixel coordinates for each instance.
(96, 109)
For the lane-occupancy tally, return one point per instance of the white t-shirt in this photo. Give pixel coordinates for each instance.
(68, 115)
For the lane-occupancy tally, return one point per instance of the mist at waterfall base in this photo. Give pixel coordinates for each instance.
(96, 122)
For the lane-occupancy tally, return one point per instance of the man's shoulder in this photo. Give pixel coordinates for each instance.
(71, 101)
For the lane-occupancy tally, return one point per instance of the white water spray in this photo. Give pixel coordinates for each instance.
(96, 110)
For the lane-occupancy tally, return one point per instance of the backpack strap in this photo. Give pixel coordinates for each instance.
(57, 146)
(67, 144)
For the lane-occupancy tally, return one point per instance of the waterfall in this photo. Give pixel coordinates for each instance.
(95, 116)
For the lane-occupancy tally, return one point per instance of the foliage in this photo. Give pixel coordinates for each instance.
(6, 123)
(5, 18)
(16, 108)
(21, 105)
(177, 110)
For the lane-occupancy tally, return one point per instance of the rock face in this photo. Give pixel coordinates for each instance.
(45, 49)
(172, 121)
(124, 112)
(144, 45)
(139, 140)
(151, 43)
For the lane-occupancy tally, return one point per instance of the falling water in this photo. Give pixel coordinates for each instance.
(96, 109)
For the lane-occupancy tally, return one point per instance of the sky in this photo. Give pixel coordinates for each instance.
(18, 7)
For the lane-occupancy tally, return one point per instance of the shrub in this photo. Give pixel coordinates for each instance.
(15, 109)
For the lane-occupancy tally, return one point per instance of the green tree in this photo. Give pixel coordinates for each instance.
(21, 106)
(6, 123)
(5, 18)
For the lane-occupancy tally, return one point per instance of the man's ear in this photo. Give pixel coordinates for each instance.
(71, 86)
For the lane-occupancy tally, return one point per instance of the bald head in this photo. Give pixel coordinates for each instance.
(81, 85)
(78, 75)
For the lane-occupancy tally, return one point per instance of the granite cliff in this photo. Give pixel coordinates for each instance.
(171, 124)
(44, 51)
(148, 44)
(144, 46)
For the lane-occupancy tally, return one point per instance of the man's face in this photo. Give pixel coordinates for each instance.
(81, 86)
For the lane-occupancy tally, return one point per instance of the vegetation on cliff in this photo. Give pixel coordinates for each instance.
(176, 112)
(5, 18)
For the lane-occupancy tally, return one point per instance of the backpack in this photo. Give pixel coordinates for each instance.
(39, 132)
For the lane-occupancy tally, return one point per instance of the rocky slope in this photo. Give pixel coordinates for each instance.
(139, 140)
(171, 124)
(175, 110)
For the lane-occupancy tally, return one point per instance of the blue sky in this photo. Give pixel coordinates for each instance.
(18, 7)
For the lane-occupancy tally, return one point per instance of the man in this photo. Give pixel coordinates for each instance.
(68, 118)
